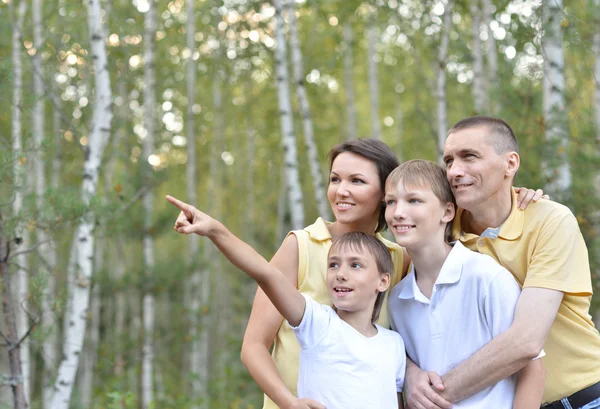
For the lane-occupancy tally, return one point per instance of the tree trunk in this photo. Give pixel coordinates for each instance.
(596, 47)
(307, 124)
(349, 81)
(288, 138)
(148, 203)
(20, 184)
(492, 58)
(90, 351)
(11, 337)
(479, 84)
(373, 77)
(198, 352)
(46, 252)
(442, 114)
(557, 171)
(98, 138)
(399, 126)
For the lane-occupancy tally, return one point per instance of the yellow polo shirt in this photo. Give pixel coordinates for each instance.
(542, 246)
(314, 242)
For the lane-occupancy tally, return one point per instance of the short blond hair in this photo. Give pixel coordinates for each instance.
(423, 173)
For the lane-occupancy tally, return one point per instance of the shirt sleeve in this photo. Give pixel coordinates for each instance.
(401, 371)
(315, 323)
(560, 259)
(500, 301)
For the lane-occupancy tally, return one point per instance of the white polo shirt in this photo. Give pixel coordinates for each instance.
(343, 369)
(472, 301)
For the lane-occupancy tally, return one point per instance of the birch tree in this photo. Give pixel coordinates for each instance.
(11, 339)
(479, 84)
(19, 183)
(349, 81)
(149, 123)
(596, 48)
(98, 138)
(307, 123)
(558, 171)
(373, 77)
(288, 137)
(492, 57)
(46, 252)
(198, 280)
(442, 59)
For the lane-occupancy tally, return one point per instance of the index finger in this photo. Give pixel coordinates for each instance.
(178, 203)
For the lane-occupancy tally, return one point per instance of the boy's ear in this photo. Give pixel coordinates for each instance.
(384, 282)
(449, 213)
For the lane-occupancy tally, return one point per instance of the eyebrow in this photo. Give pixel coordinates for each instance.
(461, 152)
(353, 174)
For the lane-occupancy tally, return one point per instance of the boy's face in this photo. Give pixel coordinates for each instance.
(354, 281)
(415, 215)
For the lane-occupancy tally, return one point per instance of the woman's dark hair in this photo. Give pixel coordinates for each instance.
(377, 152)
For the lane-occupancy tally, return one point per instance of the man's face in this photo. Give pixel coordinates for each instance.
(478, 175)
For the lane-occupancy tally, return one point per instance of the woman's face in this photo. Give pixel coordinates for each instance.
(354, 191)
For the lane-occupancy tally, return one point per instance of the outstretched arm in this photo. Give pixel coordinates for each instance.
(284, 295)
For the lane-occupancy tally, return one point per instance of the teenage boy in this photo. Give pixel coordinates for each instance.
(543, 248)
(454, 300)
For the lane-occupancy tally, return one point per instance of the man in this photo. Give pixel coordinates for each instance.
(543, 248)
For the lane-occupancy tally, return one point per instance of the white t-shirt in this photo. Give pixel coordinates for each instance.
(472, 301)
(343, 369)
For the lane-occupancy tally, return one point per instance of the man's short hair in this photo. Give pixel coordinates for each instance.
(501, 135)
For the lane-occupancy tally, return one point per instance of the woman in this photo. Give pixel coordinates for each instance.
(358, 170)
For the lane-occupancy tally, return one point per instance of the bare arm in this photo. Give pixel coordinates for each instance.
(511, 350)
(284, 294)
(263, 325)
(530, 386)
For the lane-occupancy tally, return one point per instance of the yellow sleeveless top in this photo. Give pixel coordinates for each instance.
(314, 242)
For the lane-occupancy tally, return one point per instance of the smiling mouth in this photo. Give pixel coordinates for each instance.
(462, 186)
(404, 227)
(344, 204)
(341, 290)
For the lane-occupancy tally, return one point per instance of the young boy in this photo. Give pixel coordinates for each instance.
(454, 300)
(346, 360)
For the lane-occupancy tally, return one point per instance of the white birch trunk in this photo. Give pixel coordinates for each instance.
(199, 349)
(98, 138)
(596, 48)
(492, 58)
(58, 137)
(307, 124)
(558, 171)
(349, 81)
(46, 252)
(90, 351)
(373, 78)
(400, 127)
(442, 60)
(148, 203)
(20, 184)
(9, 316)
(479, 84)
(288, 138)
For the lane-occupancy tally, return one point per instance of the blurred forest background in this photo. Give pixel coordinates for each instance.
(108, 105)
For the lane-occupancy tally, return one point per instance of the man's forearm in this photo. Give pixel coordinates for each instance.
(500, 358)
